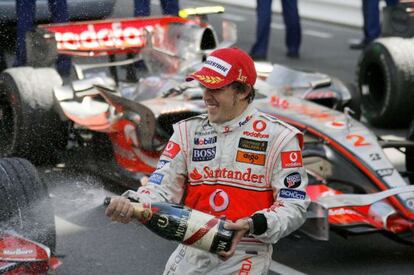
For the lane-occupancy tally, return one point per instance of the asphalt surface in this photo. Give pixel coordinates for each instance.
(89, 243)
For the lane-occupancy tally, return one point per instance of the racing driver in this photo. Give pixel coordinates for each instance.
(235, 162)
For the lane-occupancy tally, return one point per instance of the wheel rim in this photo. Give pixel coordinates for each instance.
(7, 123)
(374, 82)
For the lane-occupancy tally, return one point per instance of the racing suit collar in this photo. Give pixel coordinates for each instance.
(235, 123)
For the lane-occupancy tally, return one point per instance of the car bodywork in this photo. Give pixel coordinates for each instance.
(19, 255)
(354, 188)
(27, 222)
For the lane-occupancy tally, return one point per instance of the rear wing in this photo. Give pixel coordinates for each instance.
(105, 37)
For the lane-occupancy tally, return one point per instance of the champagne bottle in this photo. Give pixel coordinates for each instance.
(185, 225)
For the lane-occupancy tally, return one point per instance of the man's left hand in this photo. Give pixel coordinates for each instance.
(241, 227)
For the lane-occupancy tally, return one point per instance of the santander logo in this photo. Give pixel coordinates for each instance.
(225, 173)
(114, 36)
(195, 175)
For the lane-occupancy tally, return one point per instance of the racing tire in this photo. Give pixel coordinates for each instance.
(385, 76)
(29, 125)
(409, 153)
(25, 205)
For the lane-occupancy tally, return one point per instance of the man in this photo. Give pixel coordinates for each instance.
(234, 162)
(372, 24)
(293, 31)
(25, 11)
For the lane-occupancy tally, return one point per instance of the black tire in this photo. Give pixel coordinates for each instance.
(29, 125)
(385, 78)
(25, 206)
(409, 153)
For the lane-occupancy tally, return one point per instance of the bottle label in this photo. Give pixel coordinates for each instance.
(201, 230)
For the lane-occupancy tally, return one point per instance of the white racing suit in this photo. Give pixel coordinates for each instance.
(251, 164)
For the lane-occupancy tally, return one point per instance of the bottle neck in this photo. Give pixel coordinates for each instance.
(142, 213)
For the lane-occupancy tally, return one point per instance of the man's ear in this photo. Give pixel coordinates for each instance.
(243, 95)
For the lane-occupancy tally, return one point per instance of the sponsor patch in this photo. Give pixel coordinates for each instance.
(255, 145)
(259, 125)
(251, 158)
(292, 194)
(385, 172)
(171, 150)
(293, 180)
(292, 159)
(195, 175)
(162, 163)
(156, 178)
(205, 140)
(255, 134)
(225, 173)
(204, 154)
(205, 133)
(218, 65)
(247, 119)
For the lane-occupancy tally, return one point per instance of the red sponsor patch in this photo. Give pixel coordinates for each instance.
(171, 150)
(195, 175)
(292, 159)
(259, 125)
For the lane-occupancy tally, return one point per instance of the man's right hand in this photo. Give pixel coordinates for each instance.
(120, 209)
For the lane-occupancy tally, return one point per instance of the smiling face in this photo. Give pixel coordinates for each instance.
(224, 104)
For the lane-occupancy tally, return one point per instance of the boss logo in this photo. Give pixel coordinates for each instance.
(204, 154)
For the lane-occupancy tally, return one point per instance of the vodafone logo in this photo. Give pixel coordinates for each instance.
(293, 156)
(169, 146)
(259, 125)
(219, 200)
(115, 36)
(291, 159)
(171, 150)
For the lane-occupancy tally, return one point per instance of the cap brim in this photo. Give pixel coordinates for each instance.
(209, 79)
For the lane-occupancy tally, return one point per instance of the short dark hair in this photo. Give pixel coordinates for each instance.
(242, 88)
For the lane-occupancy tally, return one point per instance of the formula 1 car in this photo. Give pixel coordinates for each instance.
(354, 188)
(27, 225)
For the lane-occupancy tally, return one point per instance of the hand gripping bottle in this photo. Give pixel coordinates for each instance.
(185, 225)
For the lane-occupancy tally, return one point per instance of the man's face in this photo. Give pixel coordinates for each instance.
(223, 104)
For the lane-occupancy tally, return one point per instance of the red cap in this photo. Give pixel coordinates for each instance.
(224, 66)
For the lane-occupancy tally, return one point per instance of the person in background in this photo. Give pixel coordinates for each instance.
(25, 12)
(234, 162)
(293, 33)
(143, 8)
(371, 24)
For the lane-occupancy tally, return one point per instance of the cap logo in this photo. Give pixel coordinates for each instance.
(209, 79)
(218, 65)
(241, 78)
